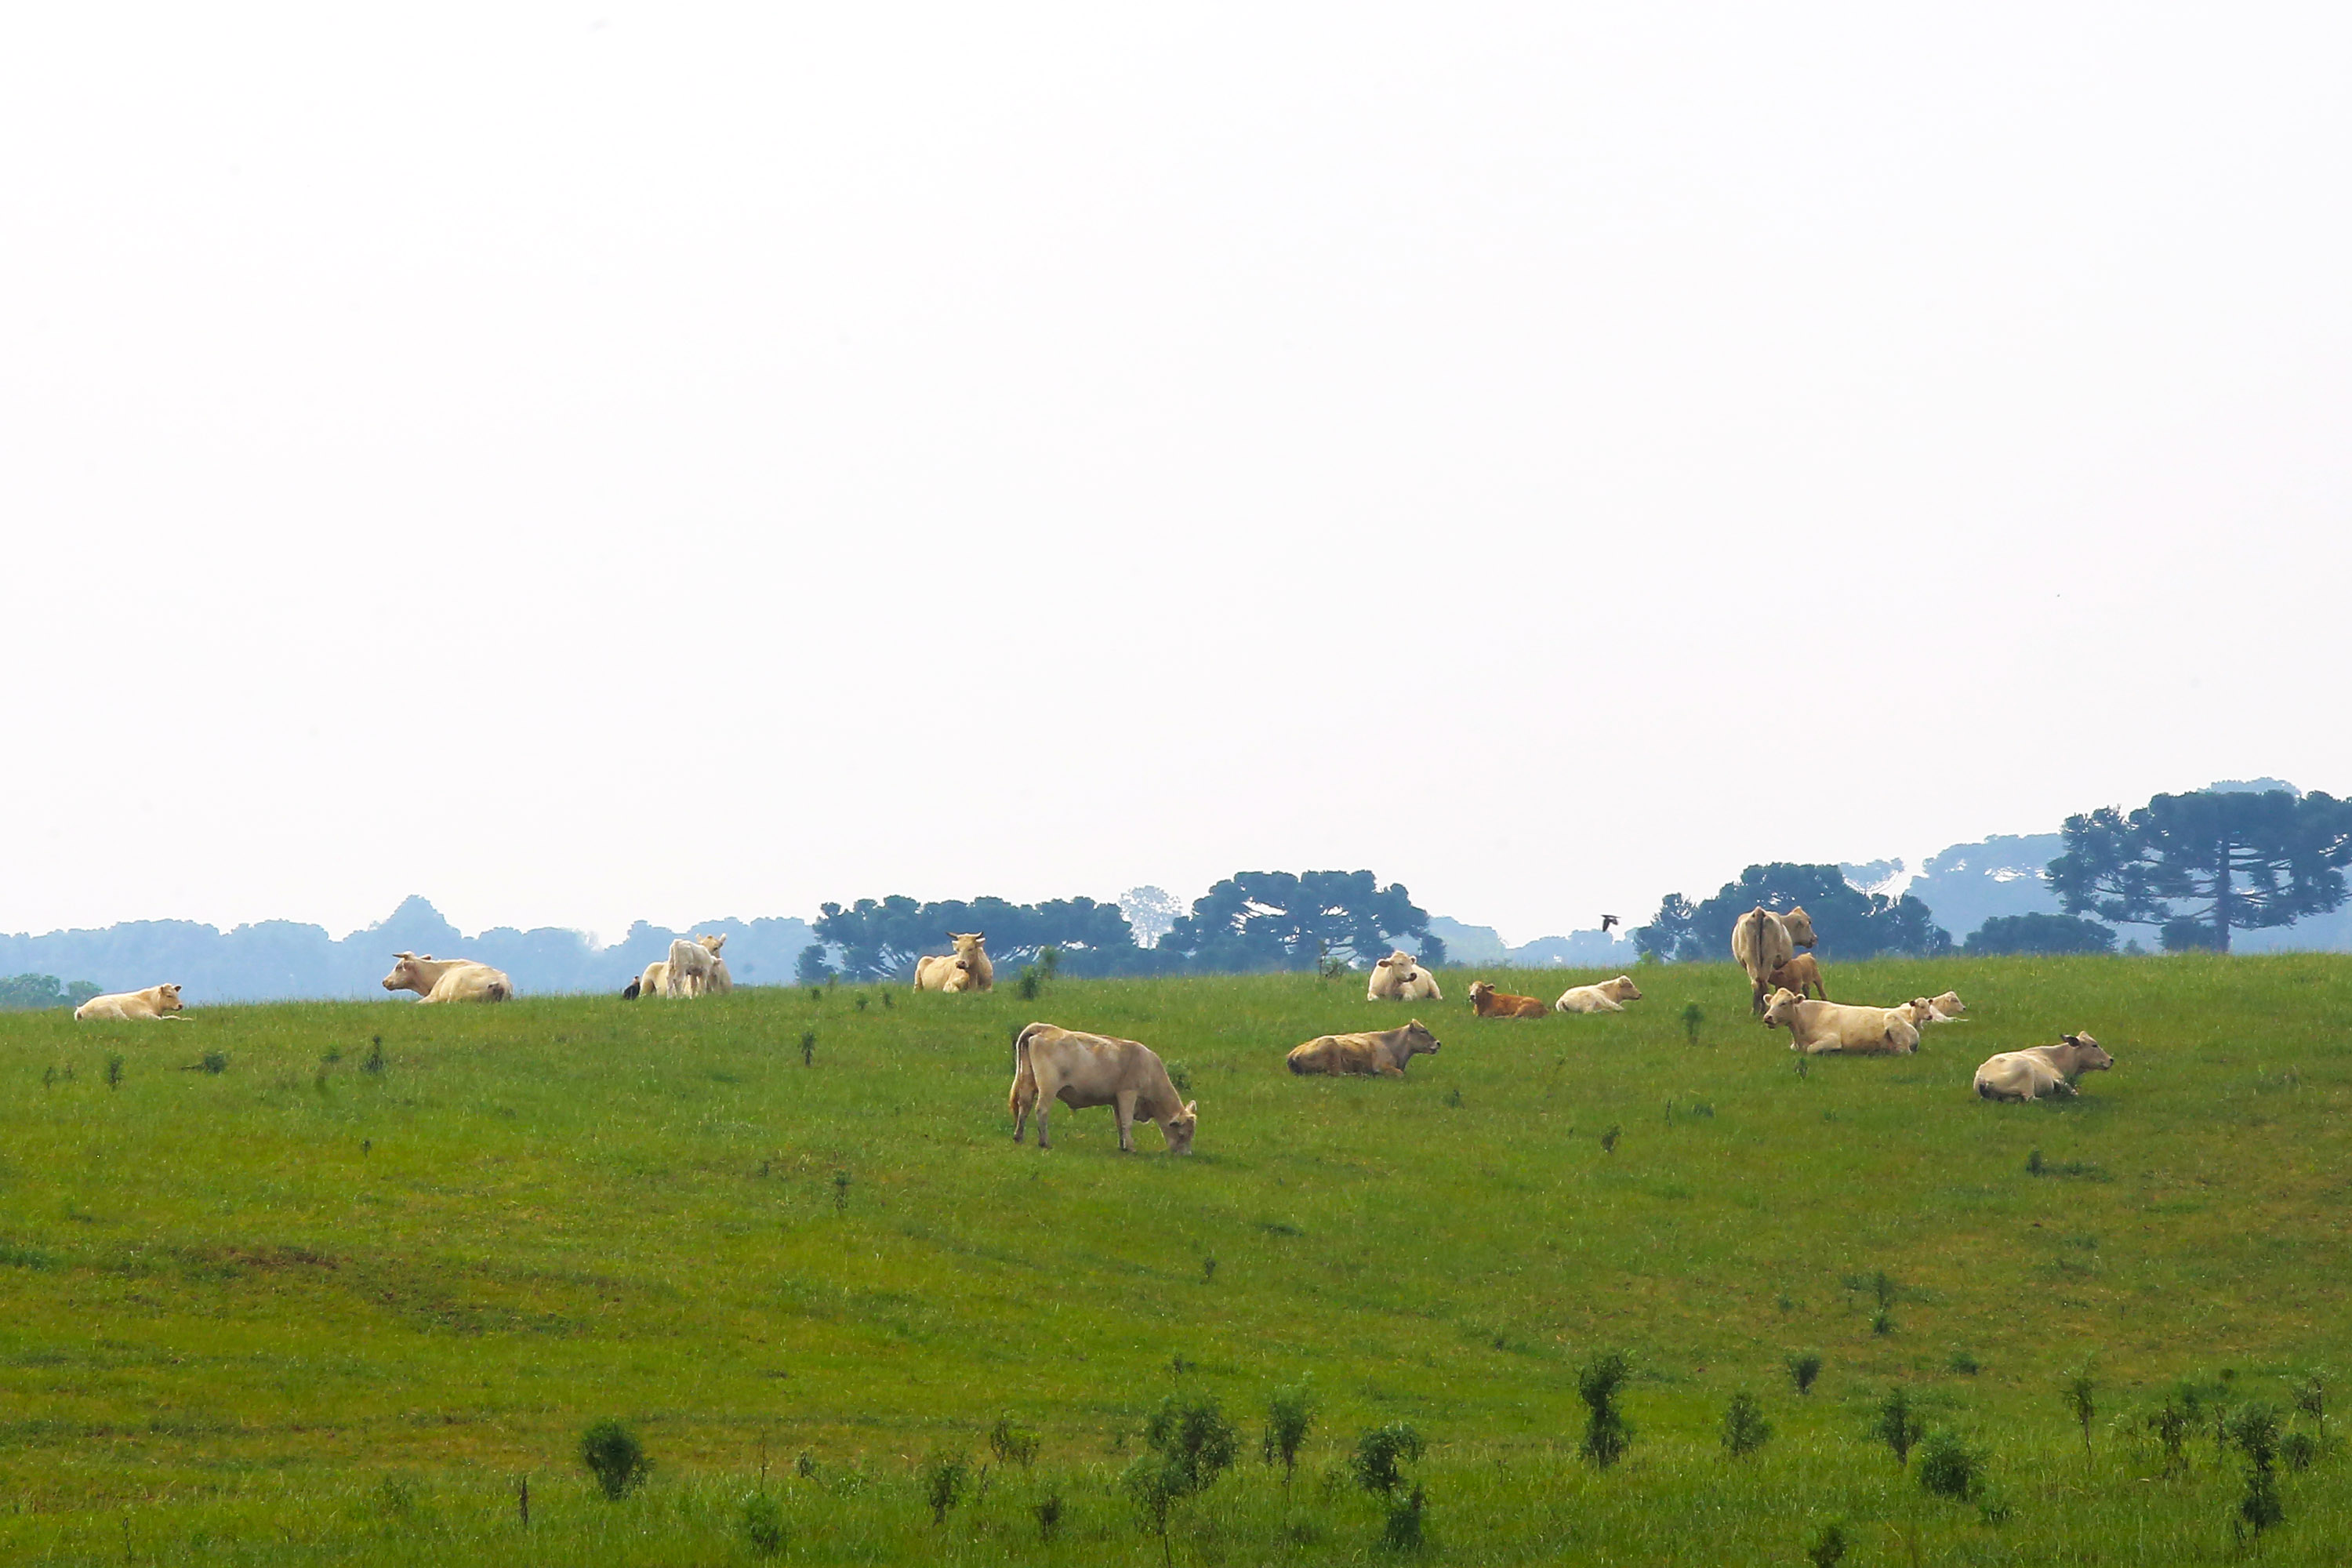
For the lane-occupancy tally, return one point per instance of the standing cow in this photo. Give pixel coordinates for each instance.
(448, 979)
(970, 952)
(1762, 942)
(1052, 1063)
(695, 968)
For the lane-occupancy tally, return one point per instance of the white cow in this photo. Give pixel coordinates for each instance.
(1399, 977)
(1949, 1007)
(694, 967)
(154, 1004)
(448, 979)
(969, 959)
(1608, 996)
(1817, 1028)
(1762, 942)
(2040, 1072)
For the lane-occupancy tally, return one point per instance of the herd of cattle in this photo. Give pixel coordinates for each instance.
(1082, 1070)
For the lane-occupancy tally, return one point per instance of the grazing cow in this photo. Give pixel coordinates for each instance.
(1399, 977)
(694, 967)
(1817, 1028)
(448, 979)
(1384, 1053)
(1949, 1007)
(154, 1004)
(932, 974)
(2040, 1072)
(1762, 942)
(1489, 1003)
(1051, 1063)
(1800, 975)
(1608, 996)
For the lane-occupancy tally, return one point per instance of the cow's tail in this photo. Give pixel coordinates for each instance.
(1021, 1070)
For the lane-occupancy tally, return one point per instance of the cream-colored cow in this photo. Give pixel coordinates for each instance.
(1399, 977)
(1051, 1063)
(2040, 1072)
(1762, 942)
(1608, 996)
(695, 969)
(448, 979)
(933, 973)
(1949, 1007)
(154, 1004)
(1817, 1028)
(652, 983)
(1385, 1053)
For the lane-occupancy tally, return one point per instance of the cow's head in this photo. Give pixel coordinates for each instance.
(1398, 959)
(1800, 927)
(1479, 992)
(1780, 1009)
(711, 944)
(1418, 1041)
(1621, 989)
(2089, 1055)
(1178, 1129)
(1949, 1005)
(968, 943)
(167, 998)
(405, 975)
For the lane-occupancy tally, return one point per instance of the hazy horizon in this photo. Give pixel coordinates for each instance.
(591, 463)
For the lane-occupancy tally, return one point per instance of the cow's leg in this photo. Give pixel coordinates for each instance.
(1043, 1101)
(1756, 1001)
(1126, 1121)
(1021, 1104)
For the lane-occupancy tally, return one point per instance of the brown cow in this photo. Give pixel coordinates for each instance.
(1052, 1063)
(1489, 1003)
(1800, 975)
(1383, 1053)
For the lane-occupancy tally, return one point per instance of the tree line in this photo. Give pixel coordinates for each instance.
(2196, 867)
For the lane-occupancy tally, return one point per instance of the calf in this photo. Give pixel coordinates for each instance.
(1949, 1007)
(695, 968)
(1489, 1003)
(2040, 1072)
(1384, 1053)
(1800, 975)
(1817, 1028)
(1052, 1063)
(154, 1004)
(1608, 996)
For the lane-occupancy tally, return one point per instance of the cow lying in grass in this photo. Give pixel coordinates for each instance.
(969, 959)
(1052, 1063)
(1949, 1007)
(1383, 1053)
(2041, 1072)
(448, 979)
(1399, 977)
(1817, 1028)
(1489, 1003)
(1608, 996)
(154, 1004)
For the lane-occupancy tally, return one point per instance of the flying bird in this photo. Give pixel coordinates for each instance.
(1608, 921)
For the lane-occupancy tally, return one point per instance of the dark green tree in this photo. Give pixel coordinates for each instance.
(2202, 864)
(1850, 923)
(881, 938)
(2039, 933)
(1274, 919)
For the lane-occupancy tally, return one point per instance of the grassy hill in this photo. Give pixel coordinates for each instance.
(327, 1304)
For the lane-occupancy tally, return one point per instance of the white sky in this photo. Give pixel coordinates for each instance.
(584, 462)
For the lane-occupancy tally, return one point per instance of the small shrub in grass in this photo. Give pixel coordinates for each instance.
(1803, 1368)
(1606, 1435)
(1898, 1425)
(1744, 1430)
(2169, 1424)
(1193, 1435)
(2081, 1397)
(1693, 1016)
(612, 1454)
(945, 1477)
(764, 1524)
(1380, 1454)
(1049, 1513)
(1030, 983)
(1289, 1416)
(1180, 1078)
(1609, 1140)
(397, 1495)
(1012, 1442)
(335, 1054)
(374, 1065)
(114, 1070)
(2310, 1395)
(214, 1062)
(1827, 1548)
(1949, 1467)
(1151, 1484)
(1403, 1531)
(1882, 1321)
(1964, 1363)
(2254, 1430)
(2298, 1449)
(808, 1048)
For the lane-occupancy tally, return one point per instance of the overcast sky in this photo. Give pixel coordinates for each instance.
(591, 462)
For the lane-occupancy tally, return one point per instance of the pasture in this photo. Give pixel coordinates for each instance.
(331, 1302)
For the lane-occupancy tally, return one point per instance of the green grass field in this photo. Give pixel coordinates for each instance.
(301, 1312)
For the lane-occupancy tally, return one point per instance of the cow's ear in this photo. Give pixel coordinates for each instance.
(1192, 1109)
